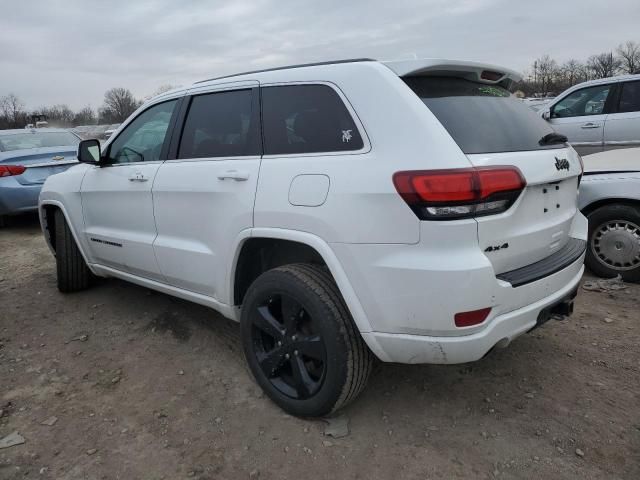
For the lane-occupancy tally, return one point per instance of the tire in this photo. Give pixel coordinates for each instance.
(3, 221)
(614, 242)
(73, 273)
(328, 363)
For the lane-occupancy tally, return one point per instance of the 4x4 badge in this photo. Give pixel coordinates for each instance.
(562, 164)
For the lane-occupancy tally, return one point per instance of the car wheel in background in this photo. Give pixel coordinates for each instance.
(73, 273)
(301, 343)
(614, 242)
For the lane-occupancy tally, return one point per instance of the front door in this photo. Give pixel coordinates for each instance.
(116, 196)
(204, 193)
(581, 117)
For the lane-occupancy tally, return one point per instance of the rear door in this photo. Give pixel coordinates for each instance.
(204, 193)
(116, 196)
(581, 117)
(622, 128)
(494, 129)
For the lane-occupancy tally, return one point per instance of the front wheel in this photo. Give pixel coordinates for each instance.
(73, 273)
(614, 242)
(301, 343)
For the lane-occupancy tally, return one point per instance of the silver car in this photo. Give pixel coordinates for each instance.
(27, 158)
(610, 199)
(598, 115)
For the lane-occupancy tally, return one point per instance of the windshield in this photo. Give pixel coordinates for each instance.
(482, 118)
(29, 140)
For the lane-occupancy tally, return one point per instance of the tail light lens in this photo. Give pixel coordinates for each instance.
(10, 170)
(460, 193)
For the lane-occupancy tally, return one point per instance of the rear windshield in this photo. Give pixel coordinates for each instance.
(481, 118)
(29, 140)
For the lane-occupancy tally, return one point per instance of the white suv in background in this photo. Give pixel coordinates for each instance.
(598, 115)
(411, 211)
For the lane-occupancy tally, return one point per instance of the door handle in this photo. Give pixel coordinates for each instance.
(138, 177)
(234, 175)
(590, 125)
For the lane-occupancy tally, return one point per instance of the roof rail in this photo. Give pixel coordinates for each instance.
(353, 60)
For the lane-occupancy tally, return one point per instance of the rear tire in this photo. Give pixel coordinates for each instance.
(73, 273)
(301, 343)
(614, 242)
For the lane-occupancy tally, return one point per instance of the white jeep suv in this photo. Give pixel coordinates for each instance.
(411, 211)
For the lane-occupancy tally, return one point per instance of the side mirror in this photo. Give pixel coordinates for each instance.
(89, 151)
(546, 115)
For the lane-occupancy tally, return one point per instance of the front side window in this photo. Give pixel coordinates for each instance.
(142, 139)
(306, 119)
(587, 101)
(630, 97)
(220, 125)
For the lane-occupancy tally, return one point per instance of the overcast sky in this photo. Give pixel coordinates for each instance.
(71, 51)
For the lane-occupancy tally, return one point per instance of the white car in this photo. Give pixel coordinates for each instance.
(610, 198)
(110, 130)
(411, 211)
(598, 115)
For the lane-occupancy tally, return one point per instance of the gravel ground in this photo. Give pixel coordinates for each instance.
(121, 382)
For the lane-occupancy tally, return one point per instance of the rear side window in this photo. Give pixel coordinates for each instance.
(481, 118)
(306, 119)
(630, 97)
(220, 125)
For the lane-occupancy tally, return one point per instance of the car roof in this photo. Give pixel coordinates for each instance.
(600, 81)
(401, 68)
(16, 131)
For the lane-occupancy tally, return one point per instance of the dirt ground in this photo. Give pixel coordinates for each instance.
(133, 384)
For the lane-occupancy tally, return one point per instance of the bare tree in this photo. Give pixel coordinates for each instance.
(12, 109)
(545, 71)
(84, 116)
(119, 103)
(603, 65)
(572, 72)
(629, 57)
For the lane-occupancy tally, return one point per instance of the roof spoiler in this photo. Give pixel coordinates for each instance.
(478, 72)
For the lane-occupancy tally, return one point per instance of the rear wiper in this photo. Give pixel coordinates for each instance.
(553, 139)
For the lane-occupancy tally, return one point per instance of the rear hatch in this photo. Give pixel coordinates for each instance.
(495, 129)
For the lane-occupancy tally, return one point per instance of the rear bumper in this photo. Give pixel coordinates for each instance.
(16, 198)
(499, 332)
(410, 294)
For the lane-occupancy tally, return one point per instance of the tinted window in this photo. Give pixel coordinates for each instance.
(142, 139)
(37, 139)
(220, 125)
(481, 118)
(588, 101)
(630, 97)
(306, 119)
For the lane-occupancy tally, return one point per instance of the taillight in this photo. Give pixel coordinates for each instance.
(460, 193)
(10, 170)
